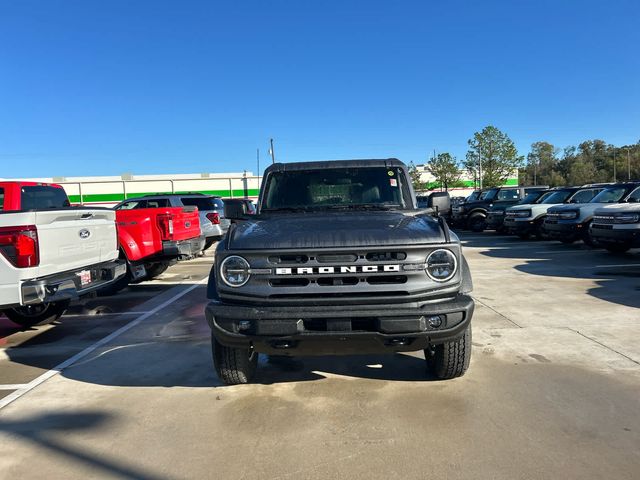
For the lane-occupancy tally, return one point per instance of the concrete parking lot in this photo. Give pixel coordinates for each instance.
(553, 390)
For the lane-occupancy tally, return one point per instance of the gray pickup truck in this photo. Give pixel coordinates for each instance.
(339, 260)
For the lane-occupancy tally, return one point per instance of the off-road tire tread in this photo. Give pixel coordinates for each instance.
(233, 365)
(451, 359)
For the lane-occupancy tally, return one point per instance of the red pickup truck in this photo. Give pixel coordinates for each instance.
(152, 237)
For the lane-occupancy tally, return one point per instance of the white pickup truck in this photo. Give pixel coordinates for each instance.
(50, 252)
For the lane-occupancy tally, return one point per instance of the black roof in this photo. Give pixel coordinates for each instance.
(297, 166)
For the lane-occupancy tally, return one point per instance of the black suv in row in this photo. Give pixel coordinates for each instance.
(472, 214)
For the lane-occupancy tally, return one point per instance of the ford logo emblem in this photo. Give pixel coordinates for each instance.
(84, 233)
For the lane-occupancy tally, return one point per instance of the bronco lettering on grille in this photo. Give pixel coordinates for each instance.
(338, 269)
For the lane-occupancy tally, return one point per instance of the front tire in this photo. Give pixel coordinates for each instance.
(451, 359)
(155, 269)
(477, 223)
(39, 314)
(234, 366)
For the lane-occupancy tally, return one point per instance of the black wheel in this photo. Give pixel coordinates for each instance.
(617, 247)
(567, 241)
(39, 314)
(155, 269)
(524, 236)
(540, 233)
(477, 222)
(233, 365)
(586, 236)
(451, 359)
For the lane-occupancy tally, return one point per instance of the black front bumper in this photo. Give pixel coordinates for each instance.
(183, 248)
(608, 234)
(343, 329)
(519, 227)
(564, 230)
(68, 285)
(494, 222)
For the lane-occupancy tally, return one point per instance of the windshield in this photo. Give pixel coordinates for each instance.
(610, 195)
(488, 194)
(473, 196)
(531, 198)
(634, 197)
(559, 196)
(374, 187)
(203, 203)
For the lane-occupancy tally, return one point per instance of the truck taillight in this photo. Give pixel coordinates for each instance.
(214, 217)
(165, 224)
(19, 245)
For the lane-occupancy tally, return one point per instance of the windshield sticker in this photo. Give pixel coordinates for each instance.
(393, 182)
(390, 173)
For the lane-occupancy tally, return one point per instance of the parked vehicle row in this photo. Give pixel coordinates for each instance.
(606, 215)
(52, 252)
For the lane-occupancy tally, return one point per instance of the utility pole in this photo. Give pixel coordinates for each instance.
(272, 152)
(258, 161)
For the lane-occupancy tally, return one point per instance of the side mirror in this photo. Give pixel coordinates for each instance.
(235, 211)
(440, 203)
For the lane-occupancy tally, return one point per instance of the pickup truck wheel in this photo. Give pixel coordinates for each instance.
(451, 359)
(477, 223)
(155, 269)
(34, 315)
(234, 366)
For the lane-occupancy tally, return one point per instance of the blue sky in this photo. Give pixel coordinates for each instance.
(98, 88)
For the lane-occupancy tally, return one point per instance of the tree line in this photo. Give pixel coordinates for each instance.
(492, 158)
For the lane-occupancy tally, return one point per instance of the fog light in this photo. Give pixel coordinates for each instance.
(244, 325)
(435, 321)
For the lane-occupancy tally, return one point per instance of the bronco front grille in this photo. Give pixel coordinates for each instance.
(376, 275)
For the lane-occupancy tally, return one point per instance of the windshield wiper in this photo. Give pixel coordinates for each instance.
(365, 206)
(286, 209)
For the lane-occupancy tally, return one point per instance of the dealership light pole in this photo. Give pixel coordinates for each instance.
(258, 161)
(615, 176)
(628, 165)
(272, 152)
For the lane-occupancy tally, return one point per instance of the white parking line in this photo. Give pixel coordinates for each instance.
(13, 386)
(67, 363)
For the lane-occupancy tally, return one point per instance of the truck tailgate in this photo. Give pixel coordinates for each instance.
(73, 238)
(186, 223)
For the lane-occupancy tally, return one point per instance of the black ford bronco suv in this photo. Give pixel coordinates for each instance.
(339, 260)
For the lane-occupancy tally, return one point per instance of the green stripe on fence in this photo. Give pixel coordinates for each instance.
(118, 197)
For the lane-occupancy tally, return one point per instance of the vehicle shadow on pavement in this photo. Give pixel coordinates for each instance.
(617, 276)
(48, 432)
(391, 367)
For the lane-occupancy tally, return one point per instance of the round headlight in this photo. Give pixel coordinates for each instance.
(235, 271)
(441, 265)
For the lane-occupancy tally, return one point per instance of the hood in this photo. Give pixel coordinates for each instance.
(617, 208)
(583, 208)
(334, 229)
